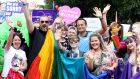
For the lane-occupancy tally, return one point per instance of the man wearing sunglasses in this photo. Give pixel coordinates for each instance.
(37, 36)
(44, 23)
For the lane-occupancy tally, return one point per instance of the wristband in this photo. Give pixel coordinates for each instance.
(25, 4)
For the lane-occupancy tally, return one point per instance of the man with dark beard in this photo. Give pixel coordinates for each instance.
(37, 36)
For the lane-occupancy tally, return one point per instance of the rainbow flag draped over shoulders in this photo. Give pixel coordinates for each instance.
(51, 63)
(42, 66)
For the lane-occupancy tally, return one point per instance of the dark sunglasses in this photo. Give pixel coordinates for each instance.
(128, 41)
(44, 21)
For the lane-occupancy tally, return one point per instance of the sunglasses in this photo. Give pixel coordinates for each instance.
(44, 21)
(128, 41)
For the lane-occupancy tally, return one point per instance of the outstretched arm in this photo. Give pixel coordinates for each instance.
(9, 41)
(102, 16)
(27, 16)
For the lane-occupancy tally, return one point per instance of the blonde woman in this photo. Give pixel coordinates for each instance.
(130, 58)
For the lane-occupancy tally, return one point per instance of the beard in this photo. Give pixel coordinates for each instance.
(44, 27)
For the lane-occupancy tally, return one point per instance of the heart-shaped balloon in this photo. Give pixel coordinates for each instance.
(69, 14)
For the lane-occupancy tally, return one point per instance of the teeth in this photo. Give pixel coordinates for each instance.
(94, 44)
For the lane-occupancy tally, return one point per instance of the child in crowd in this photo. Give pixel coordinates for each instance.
(74, 52)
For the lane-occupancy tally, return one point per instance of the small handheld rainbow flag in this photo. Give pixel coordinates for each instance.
(118, 44)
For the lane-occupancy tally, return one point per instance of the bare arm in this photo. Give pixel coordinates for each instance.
(57, 20)
(102, 17)
(27, 16)
(104, 25)
(9, 41)
(57, 35)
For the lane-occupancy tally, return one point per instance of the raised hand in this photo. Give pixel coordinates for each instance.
(98, 12)
(59, 20)
(10, 23)
(90, 54)
(106, 8)
(58, 34)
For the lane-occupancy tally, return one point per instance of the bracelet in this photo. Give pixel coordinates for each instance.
(25, 4)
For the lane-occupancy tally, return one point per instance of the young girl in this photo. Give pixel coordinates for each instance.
(73, 41)
(74, 52)
(15, 61)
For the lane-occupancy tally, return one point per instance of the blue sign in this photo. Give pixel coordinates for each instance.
(12, 8)
(9, 9)
(2, 16)
(37, 13)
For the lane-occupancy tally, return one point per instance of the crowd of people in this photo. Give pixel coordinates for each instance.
(104, 50)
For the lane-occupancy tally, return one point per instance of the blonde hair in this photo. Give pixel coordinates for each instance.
(136, 23)
(133, 56)
(133, 60)
(138, 47)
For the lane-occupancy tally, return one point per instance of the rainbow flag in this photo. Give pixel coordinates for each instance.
(118, 44)
(127, 35)
(43, 65)
(52, 64)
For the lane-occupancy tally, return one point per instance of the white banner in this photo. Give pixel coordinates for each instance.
(125, 28)
(93, 24)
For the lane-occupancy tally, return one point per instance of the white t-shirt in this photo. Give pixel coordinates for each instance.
(13, 58)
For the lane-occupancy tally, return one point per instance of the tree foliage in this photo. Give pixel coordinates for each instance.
(128, 10)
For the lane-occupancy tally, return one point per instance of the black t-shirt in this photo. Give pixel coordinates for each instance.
(37, 38)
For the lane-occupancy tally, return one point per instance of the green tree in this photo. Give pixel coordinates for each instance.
(128, 10)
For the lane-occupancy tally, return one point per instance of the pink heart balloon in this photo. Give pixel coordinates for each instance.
(69, 14)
